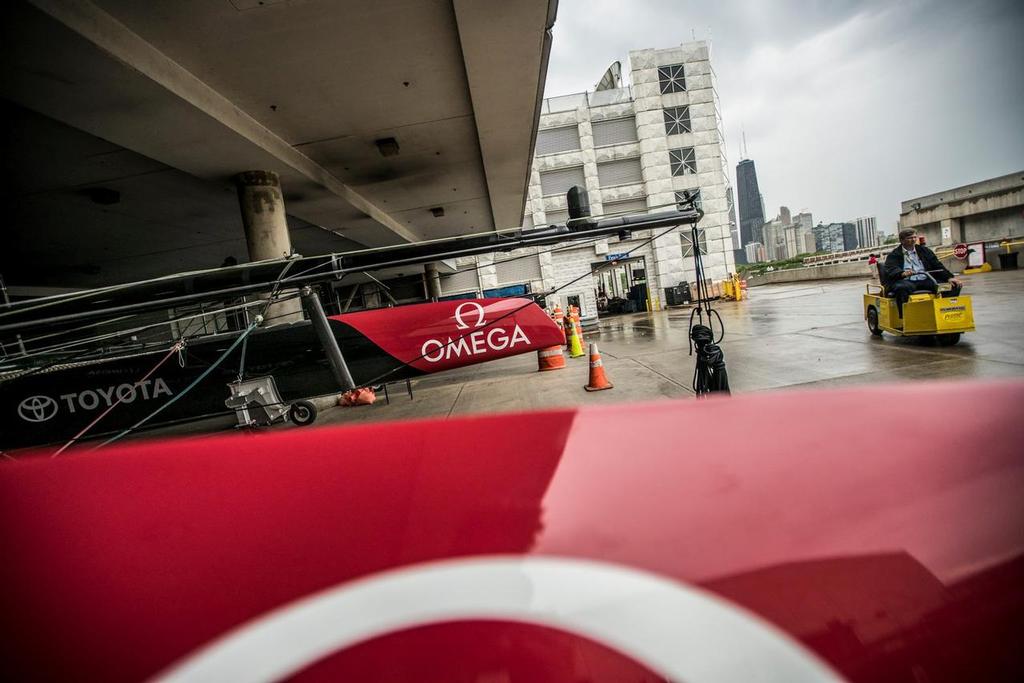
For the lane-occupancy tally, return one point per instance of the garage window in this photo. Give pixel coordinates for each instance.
(558, 182)
(614, 132)
(620, 172)
(626, 207)
(460, 281)
(555, 140)
(525, 268)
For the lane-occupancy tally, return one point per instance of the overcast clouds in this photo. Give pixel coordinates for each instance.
(848, 107)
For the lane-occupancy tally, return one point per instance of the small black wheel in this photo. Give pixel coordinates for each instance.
(947, 339)
(302, 413)
(873, 321)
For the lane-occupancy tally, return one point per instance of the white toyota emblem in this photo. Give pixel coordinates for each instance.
(461, 324)
(37, 408)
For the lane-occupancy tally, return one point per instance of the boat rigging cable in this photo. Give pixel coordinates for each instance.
(174, 399)
(709, 374)
(120, 399)
(533, 298)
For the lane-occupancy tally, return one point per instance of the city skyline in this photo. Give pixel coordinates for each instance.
(846, 106)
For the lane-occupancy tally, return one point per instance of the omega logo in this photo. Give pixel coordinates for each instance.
(461, 324)
(475, 343)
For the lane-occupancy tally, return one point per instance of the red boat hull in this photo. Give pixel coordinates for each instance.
(543, 546)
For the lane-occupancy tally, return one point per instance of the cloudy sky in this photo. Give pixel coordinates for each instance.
(848, 107)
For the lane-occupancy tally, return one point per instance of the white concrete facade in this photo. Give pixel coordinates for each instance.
(667, 258)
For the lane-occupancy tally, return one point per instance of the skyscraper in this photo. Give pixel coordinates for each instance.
(836, 237)
(749, 195)
(867, 231)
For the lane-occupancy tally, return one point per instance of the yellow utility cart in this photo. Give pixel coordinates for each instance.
(941, 317)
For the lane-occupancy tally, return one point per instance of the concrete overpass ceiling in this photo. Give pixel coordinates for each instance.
(189, 93)
(85, 212)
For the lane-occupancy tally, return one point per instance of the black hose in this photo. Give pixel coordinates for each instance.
(709, 373)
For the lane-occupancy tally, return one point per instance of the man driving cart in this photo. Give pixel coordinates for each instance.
(913, 267)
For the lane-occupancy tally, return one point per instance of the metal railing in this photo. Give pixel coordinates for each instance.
(860, 254)
(599, 98)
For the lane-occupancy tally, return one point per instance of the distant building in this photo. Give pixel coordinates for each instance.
(785, 216)
(734, 229)
(835, 237)
(751, 209)
(804, 237)
(810, 245)
(850, 240)
(774, 241)
(792, 240)
(788, 236)
(755, 252)
(804, 220)
(867, 231)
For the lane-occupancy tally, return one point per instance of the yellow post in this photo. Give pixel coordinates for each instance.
(736, 287)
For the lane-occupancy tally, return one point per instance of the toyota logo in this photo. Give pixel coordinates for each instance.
(37, 409)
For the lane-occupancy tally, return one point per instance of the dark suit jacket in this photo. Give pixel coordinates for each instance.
(894, 264)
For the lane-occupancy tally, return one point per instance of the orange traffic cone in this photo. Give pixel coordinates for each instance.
(550, 358)
(598, 380)
(557, 317)
(575, 315)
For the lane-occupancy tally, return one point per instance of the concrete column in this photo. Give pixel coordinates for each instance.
(433, 281)
(486, 272)
(266, 231)
(949, 231)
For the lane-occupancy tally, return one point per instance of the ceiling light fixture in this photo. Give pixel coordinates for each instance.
(103, 195)
(388, 147)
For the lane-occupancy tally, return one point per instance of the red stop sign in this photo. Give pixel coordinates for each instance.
(960, 251)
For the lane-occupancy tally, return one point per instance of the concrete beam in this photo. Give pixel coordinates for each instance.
(491, 32)
(205, 108)
(962, 208)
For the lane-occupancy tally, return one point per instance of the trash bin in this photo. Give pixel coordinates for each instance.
(677, 296)
(1008, 261)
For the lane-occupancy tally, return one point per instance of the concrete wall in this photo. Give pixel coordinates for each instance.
(990, 210)
(994, 226)
(1001, 185)
(859, 269)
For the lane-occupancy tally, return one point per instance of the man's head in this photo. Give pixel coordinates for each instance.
(908, 238)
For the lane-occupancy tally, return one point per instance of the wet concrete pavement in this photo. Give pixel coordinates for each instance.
(793, 335)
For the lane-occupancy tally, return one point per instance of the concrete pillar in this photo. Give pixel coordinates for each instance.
(949, 231)
(266, 231)
(433, 281)
(486, 272)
